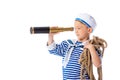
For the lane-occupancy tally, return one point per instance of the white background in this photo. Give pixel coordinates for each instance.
(25, 57)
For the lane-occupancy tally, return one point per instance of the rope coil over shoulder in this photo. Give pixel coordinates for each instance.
(86, 60)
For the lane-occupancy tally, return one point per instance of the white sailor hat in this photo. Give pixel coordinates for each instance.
(87, 20)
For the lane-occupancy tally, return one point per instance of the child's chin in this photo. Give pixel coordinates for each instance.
(79, 38)
(78, 35)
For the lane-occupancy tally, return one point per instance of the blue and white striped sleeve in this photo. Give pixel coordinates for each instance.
(58, 49)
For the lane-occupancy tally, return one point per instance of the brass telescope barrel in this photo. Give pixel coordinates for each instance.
(39, 30)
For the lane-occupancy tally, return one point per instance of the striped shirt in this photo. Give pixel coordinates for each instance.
(72, 69)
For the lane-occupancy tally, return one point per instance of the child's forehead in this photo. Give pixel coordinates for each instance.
(78, 22)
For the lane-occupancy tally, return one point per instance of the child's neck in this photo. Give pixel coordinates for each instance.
(83, 40)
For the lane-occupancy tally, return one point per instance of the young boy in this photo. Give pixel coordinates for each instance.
(84, 25)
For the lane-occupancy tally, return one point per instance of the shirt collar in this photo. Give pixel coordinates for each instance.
(78, 43)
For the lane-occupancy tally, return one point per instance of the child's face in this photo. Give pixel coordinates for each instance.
(82, 31)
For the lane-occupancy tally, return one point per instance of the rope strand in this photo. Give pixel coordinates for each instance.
(86, 60)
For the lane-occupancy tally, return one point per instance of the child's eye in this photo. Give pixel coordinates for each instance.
(77, 28)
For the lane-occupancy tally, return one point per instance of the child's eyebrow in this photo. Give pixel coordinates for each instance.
(78, 26)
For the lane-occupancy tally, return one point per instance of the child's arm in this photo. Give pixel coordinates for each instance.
(95, 57)
(57, 49)
(50, 38)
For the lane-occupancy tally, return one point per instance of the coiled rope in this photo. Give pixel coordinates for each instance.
(86, 60)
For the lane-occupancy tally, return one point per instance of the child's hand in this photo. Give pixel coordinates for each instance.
(51, 36)
(88, 45)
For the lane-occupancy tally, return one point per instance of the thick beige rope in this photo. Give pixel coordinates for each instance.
(86, 60)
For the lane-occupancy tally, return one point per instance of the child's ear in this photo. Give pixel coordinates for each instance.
(89, 30)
